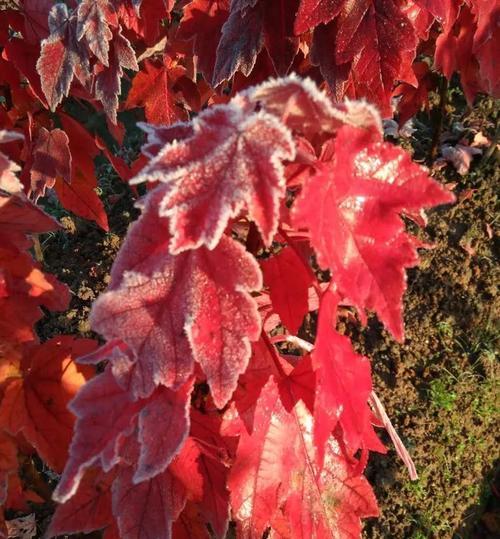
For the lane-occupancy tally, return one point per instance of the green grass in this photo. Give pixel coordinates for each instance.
(440, 394)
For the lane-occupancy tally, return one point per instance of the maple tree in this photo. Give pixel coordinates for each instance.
(267, 199)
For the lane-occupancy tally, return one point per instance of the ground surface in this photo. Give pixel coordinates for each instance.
(440, 387)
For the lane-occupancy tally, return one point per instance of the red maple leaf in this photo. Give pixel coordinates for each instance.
(231, 162)
(88, 510)
(174, 310)
(366, 47)
(168, 412)
(190, 525)
(148, 509)
(152, 88)
(250, 383)
(19, 218)
(105, 416)
(24, 56)
(343, 383)
(288, 280)
(215, 454)
(242, 38)
(487, 43)
(312, 13)
(8, 462)
(445, 11)
(201, 22)
(36, 25)
(413, 98)
(275, 479)
(79, 195)
(456, 47)
(94, 19)
(22, 277)
(279, 39)
(36, 405)
(250, 27)
(51, 160)
(303, 108)
(352, 208)
(108, 78)
(61, 57)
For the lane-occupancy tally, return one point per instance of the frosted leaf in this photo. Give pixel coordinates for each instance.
(304, 108)
(232, 161)
(174, 310)
(93, 21)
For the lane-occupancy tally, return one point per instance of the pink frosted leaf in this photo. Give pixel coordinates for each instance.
(94, 20)
(105, 414)
(61, 57)
(163, 428)
(242, 38)
(159, 136)
(108, 79)
(233, 161)
(174, 310)
(302, 107)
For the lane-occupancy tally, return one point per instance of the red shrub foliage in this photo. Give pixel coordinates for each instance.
(268, 198)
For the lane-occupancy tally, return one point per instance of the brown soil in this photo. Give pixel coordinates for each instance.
(440, 387)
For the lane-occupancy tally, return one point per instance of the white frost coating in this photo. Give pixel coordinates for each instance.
(231, 162)
(236, 365)
(107, 456)
(169, 411)
(153, 138)
(360, 113)
(357, 113)
(92, 24)
(147, 173)
(308, 85)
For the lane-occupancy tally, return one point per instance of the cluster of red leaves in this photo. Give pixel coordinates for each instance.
(83, 49)
(198, 417)
(37, 381)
